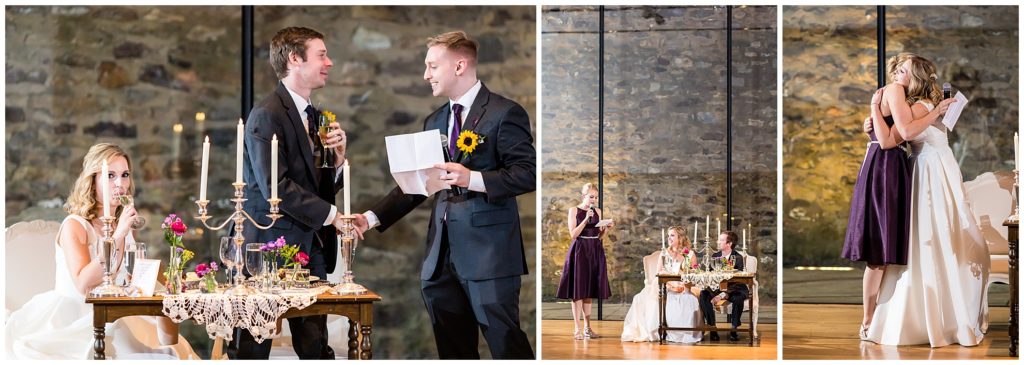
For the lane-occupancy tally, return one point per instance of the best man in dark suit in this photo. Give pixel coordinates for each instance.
(474, 250)
(735, 293)
(307, 192)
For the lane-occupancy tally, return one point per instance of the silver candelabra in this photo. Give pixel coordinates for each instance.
(105, 252)
(347, 236)
(239, 217)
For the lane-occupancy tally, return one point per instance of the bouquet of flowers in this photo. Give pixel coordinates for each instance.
(174, 230)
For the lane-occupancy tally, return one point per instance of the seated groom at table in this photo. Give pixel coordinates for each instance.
(735, 293)
(307, 191)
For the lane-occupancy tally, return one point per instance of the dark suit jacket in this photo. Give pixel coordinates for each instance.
(306, 191)
(740, 262)
(483, 228)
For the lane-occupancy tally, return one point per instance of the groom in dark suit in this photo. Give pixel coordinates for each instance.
(310, 218)
(735, 294)
(474, 251)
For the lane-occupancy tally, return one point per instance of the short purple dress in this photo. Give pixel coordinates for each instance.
(585, 273)
(878, 231)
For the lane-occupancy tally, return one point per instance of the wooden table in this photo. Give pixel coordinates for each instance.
(1013, 238)
(663, 327)
(358, 309)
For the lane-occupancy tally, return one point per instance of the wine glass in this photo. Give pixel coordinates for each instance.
(325, 127)
(227, 255)
(129, 201)
(254, 262)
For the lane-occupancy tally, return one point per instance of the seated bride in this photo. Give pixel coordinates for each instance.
(58, 324)
(682, 309)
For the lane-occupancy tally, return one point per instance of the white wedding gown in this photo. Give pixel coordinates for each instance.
(58, 324)
(681, 310)
(939, 297)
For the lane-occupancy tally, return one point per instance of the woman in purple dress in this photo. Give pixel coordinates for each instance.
(584, 275)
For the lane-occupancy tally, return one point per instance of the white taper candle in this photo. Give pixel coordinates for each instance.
(105, 185)
(273, 167)
(238, 151)
(205, 169)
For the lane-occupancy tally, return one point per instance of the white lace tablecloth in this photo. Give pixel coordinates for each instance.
(221, 313)
(710, 280)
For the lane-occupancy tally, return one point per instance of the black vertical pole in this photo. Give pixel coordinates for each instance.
(600, 129)
(728, 117)
(247, 47)
(880, 35)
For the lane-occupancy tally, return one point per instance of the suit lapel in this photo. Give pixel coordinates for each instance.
(476, 113)
(300, 130)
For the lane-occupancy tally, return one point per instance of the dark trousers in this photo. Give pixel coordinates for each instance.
(736, 298)
(309, 334)
(457, 307)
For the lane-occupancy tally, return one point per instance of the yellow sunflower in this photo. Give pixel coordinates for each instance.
(468, 141)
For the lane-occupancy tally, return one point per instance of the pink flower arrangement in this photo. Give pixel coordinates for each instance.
(302, 258)
(203, 269)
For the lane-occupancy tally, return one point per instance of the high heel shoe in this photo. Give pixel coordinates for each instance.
(576, 335)
(864, 332)
(589, 333)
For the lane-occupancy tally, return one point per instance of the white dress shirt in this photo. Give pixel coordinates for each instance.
(301, 104)
(476, 180)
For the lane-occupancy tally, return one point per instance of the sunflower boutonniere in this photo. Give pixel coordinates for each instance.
(468, 142)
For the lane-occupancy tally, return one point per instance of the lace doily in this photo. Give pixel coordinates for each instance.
(708, 280)
(221, 313)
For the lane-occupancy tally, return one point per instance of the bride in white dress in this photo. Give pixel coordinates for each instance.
(939, 297)
(682, 308)
(58, 324)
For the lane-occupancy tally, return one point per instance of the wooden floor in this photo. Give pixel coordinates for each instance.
(829, 332)
(558, 344)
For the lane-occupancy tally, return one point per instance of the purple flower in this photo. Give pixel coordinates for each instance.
(179, 249)
(213, 266)
(280, 242)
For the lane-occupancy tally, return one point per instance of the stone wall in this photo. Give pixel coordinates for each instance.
(829, 74)
(665, 151)
(80, 75)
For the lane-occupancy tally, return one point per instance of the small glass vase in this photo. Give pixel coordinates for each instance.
(175, 284)
(296, 278)
(209, 284)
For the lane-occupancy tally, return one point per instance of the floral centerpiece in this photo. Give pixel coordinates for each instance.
(294, 259)
(207, 273)
(174, 231)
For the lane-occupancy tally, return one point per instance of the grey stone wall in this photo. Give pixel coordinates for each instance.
(80, 75)
(665, 129)
(829, 74)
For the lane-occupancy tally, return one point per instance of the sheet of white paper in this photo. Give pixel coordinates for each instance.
(953, 113)
(603, 222)
(411, 159)
(144, 276)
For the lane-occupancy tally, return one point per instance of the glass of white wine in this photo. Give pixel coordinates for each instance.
(129, 201)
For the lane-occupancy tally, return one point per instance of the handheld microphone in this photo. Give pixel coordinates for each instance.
(947, 90)
(456, 190)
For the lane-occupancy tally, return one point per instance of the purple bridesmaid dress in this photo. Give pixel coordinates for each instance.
(878, 231)
(585, 274)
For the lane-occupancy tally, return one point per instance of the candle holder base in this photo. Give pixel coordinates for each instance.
(348, 288)
(107, 291)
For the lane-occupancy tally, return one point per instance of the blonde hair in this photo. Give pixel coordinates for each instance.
(457, 42)
(588, 187)
(684, 240)
(82, 199)
(923, 80)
